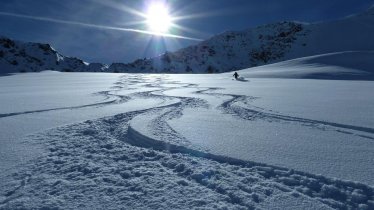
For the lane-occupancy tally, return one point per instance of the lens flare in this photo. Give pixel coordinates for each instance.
(158, 18)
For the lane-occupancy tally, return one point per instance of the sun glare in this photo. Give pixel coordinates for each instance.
(158, 18)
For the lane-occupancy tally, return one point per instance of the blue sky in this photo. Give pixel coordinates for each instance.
(208, 17)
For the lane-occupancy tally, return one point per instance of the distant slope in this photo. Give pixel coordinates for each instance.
(358, 65)
(263, 45)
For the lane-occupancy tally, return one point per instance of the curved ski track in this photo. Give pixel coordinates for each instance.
(242, 184)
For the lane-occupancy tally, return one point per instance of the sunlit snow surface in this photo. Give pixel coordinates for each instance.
(134, 141)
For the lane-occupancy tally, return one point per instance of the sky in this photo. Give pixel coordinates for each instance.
(110, 31)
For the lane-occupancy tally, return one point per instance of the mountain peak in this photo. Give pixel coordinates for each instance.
(18, 56)
(227, 51)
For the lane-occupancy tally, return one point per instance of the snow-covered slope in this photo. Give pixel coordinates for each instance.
(18, 56)
(177, 141)
(351, 65)
(263, 45)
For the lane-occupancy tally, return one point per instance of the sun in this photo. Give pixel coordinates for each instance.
(158, 18)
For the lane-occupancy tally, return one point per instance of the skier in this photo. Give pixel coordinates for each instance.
(236, 75)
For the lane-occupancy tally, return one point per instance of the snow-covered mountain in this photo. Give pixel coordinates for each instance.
(263, 45)
(18, 56)
(225, 52)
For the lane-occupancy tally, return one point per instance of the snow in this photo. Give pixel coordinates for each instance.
(262, 45)
(18, 56)
(350, 65)
(296, 134)
(228, 51)
(37, 101)
(281, 128)
(97, 140)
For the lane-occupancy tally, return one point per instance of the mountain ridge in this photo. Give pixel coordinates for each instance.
(269, 43)
(18, 56)
(228, 51)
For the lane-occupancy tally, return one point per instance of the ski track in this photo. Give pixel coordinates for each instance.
(109, 99)
(110, 161)
(258, 113)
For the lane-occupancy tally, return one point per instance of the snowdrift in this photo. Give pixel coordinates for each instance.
(342, 65)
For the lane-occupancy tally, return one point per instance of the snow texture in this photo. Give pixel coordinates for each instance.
(126, 148)
(297, 134)
(351, 65)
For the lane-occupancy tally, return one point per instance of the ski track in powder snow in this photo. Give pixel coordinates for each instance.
(107, 163)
